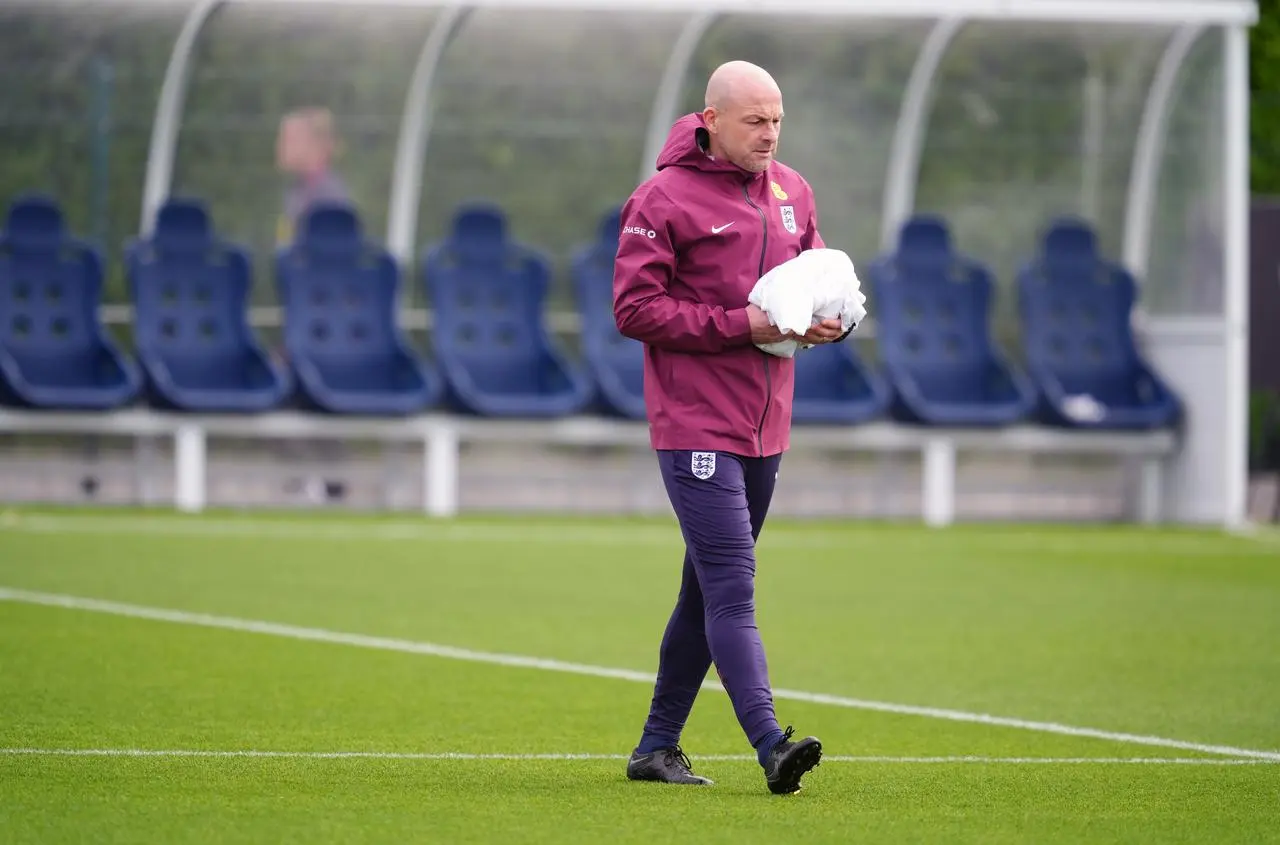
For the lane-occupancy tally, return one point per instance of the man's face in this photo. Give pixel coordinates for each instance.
(297, 149)
(745, 131)
(290, 146)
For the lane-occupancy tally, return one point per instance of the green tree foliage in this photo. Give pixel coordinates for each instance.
(1264, 84)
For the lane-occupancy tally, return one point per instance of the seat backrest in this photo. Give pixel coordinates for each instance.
(50, 284)
(821, 372)
(602, 343)
(592, 272)
(1075, 305)
(190, 290)
(487, 290)
(338, 290)
(932, 303)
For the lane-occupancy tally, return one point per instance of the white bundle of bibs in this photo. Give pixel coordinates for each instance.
(816, 285)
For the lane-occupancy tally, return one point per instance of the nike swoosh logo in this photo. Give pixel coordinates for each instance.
(715, 230)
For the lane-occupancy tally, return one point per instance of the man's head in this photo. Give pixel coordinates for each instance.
(306, 143)
(743, 115)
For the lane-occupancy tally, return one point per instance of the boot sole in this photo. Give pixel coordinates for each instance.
(643, 779)
(802, 760)
(643, 776)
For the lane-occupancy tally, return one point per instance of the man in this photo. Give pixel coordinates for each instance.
(305, 148)
(695, 238)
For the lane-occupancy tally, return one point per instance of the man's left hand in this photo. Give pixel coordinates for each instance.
(823, 332)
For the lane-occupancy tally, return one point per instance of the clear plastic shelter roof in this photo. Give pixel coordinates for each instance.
(997, 114)
(1132, 11)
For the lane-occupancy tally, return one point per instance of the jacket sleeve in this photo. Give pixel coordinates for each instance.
(643, 307)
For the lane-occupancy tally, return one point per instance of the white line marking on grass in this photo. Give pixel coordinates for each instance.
(1058, 761)
(1266, 534)
(717, 758)
(519, 661)
(1040, 541)
(278, 529)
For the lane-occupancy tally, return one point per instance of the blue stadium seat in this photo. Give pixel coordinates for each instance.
(488, 293)
(190, 293)
(1076, 308)
(339, 292)
(835, 386)
(54, 352)
(932, 309)
(616, 362)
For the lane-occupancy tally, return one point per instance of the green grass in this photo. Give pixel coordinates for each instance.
(1164, 633)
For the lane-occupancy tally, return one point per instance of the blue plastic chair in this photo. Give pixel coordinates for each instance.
(339, 293)
(934, 335)
(616, 362)
(54, 352)
(834, 386)
(1076, 308)
(488, 293)
(191, 329)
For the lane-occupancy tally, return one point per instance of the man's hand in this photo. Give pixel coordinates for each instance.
(762, 331)
(824, 331)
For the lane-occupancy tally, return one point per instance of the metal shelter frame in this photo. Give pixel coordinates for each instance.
(1189, 20)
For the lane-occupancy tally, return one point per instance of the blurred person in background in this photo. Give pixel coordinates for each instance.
(306, 148)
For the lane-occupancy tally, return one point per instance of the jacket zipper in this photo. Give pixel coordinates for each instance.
(768, 376)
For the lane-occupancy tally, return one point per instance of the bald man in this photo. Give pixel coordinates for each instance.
(719, 214)
(306, 145)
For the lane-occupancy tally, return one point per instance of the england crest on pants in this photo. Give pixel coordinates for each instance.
(703, 465)
(788, 217)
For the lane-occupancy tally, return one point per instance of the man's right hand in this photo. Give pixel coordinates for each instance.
(762, 331)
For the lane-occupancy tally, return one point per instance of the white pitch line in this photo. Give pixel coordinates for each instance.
(793, 535)
(716, 758)
(276, 529)
(519, 661)
(1266, 534)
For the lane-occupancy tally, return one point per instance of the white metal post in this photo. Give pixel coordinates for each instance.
(1235, 463)
(168, 117)
(440, 473)
(1148, 151)
(939, 482)
(189, 457)
(667, 99)
(411, 148)
(908, 135)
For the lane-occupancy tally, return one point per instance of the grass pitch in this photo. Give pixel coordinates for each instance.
(317, 679)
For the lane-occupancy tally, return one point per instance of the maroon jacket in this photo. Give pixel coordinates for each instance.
(695, 238)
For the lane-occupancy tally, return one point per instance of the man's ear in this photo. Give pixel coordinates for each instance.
(712, 118)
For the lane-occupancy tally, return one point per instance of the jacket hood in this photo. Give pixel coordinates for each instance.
(687, 146)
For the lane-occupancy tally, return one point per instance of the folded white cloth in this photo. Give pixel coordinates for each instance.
(816, 285)
(1084, 408)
